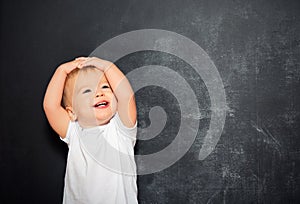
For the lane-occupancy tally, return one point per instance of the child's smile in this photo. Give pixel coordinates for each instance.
(102, 104)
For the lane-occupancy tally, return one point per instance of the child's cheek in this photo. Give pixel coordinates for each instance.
(114, 104)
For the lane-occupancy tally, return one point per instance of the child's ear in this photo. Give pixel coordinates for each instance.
(71, 113)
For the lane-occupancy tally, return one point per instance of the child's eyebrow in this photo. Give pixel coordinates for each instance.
(104, 83)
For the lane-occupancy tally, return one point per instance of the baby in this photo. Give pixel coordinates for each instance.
(90, 104)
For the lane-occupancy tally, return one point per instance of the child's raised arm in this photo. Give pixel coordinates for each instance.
(56, 114)
(121, 87)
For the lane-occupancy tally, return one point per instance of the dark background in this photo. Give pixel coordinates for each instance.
(255, 46)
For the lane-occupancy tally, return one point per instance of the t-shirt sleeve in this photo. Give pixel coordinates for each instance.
(129, 133)
(68, 137)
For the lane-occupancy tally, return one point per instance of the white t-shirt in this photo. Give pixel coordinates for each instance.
(101, 167)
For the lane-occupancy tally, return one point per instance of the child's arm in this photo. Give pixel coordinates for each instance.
(56, 114)
(120, 86)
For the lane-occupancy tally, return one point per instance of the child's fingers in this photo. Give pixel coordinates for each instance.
(80, 61)
(81, 58)
(87, 61)
(95, 61)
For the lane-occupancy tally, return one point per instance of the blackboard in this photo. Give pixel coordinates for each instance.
(254, 47)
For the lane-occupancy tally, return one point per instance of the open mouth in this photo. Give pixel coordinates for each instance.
(101, 104)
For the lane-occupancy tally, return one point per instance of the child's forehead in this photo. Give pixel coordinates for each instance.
(90, 77)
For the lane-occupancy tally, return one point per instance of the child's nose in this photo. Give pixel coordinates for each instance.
(99, 93)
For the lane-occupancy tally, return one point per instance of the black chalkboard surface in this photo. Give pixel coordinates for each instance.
(250, 50)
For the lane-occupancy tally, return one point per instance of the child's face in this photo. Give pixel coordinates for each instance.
(94, 102)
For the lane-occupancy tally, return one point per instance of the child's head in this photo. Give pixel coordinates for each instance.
(88, 97)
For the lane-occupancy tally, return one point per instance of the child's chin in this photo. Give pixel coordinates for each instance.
(104, 119)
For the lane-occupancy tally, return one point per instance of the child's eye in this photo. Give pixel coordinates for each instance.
(86, 91)
(105, 87)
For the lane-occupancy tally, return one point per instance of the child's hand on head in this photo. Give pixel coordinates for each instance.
(70, 66)
(101, 64)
